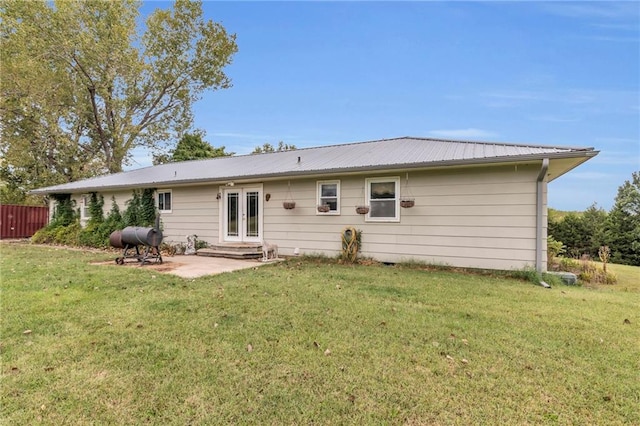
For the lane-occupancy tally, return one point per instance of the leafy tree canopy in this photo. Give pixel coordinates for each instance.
(623, 226)
(84, 83)
(192, 147)
(585, 232)
(267, 147)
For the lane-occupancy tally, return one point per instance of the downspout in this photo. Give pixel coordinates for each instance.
(540, 213)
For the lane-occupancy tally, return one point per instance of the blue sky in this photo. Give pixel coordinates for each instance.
(553, 73)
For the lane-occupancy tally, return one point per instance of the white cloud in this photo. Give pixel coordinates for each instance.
(469, 133)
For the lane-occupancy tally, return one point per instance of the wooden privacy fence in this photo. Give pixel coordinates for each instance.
(22, 221)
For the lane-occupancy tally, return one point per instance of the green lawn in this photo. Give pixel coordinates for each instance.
(303, 342)
(628, 277)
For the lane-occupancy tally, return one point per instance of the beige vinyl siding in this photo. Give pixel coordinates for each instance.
(476, 217)
(194, 211)
(121, 198)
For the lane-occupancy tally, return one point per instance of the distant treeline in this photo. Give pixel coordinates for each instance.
(619, 229)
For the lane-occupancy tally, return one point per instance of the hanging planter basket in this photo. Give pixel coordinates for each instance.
(288, 203)
(324, 208)
(362, 209)
(407, 203)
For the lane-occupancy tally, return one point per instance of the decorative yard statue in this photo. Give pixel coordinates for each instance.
(191, 244)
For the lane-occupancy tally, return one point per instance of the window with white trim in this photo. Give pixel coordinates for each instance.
(164, 200)
(329, 195)
(85, 213)
(383, 199)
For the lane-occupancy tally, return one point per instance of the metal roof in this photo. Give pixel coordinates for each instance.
(392, 154)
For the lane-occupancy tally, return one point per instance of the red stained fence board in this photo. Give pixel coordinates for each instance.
(22, 221)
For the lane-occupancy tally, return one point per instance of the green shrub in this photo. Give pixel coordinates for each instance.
(96, 212)
(200, 244)
(114, 220)
(95, 234)
(527, 274)
(141, 210)
(554, 249)
(63, 213)
(70, 235)
(569, 265)
(552, 279)
(45, 235)
(64, 217)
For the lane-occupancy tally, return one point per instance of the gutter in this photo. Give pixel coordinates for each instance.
(540, 212)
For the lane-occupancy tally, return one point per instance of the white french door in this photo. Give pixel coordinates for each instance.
(242, 214)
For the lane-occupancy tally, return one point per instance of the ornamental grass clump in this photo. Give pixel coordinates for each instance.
(587, 271)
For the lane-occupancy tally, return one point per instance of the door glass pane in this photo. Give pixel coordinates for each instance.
(252, 214)
(232, 215)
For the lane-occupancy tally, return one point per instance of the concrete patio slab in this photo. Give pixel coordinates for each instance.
(195, 266)
(198, 266)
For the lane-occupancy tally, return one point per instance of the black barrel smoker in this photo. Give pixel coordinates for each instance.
(132, 237)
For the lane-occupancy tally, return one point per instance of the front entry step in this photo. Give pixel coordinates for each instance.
(233, 250)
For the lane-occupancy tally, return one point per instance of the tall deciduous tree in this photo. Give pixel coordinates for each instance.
(192, 147)
(83, 84)
(623, 226)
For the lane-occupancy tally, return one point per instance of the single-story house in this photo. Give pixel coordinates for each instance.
(472, 204)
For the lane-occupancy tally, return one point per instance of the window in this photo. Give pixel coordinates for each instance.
(383, 199)
(164, 201)
(85, 213)
(329, 195)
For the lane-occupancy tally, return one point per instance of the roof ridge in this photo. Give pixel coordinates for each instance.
(520, 144)
(421, 138)
(351, 156)
(501, 143)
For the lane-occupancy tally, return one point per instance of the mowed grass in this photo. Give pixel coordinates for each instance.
(305, 342)
(628, 277)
